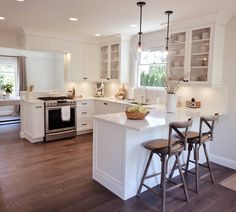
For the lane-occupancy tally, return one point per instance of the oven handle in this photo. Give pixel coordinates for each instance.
(58, 107)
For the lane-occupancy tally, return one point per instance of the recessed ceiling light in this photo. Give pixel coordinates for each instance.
(20, 0)
(2, 18)
(133, 25)
(73, 19)
(97, 35)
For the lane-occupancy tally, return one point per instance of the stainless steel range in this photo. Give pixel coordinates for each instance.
(56, 126)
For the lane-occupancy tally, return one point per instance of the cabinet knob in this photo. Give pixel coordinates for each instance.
(108, 78)
(105, 103)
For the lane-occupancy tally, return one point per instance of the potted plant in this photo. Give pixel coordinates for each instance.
(172, 86)
(8, 88)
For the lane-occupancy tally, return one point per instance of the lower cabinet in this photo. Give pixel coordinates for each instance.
(85, 112)
(33, 121)
(106, 107)
(87, 108)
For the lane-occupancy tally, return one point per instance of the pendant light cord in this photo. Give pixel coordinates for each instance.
(140, 4)
(168, 26)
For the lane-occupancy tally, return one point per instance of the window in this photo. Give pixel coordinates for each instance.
(152, 68)
(8, 72)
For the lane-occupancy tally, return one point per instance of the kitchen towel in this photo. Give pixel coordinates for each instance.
(65, 113)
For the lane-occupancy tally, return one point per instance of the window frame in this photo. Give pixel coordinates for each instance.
(11, 60)
(138, 74)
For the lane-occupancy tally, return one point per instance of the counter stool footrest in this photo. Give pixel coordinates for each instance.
(174, 187)
(191, 172)
(205, 175)
(202, 165)
(152, 175)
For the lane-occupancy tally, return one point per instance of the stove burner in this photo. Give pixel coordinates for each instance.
(49, 98)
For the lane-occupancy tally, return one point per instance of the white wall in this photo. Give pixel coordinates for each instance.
(43, 69)
(224, 146)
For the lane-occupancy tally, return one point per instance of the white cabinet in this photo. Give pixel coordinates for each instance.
(82, 63)
(106, 107)
(197, 55)
(85, 112)
(33, 121)
(115, 61)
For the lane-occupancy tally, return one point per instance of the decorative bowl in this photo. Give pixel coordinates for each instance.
(136, 115)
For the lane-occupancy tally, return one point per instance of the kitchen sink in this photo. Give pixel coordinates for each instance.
(136, 103)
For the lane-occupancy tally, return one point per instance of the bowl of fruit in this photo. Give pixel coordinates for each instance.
(136, 112)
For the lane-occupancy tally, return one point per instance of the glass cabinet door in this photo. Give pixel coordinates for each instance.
(104, 62)
(200, 43)
(115, 61)
(177, 56)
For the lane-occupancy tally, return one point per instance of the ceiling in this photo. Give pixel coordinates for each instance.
(106, 17)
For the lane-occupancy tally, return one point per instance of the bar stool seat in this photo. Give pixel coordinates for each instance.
(161, 146)
(166, 148)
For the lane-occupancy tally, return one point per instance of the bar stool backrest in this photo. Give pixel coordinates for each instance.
(182, 135)
(210, 122)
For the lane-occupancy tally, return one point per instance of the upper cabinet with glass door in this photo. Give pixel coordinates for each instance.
(177, 55)
(197, 55)
(200, 45)
(115, 62)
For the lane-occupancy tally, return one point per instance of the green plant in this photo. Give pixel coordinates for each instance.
(8, 87)
(155, 77)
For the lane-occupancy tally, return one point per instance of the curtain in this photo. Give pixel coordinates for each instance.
(21, 63)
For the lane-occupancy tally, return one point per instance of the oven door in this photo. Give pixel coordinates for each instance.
(54, 121)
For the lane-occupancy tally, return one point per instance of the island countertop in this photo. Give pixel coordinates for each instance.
(158, 117)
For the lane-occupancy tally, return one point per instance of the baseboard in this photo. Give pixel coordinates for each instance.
(223, 161)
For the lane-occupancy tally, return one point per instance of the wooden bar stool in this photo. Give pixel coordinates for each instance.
(166, 148)
(195, 140)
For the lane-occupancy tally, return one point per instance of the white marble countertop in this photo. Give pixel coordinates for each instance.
(156, 118)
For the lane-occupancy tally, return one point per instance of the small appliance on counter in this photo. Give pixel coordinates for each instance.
(99, 89)
(193, 103)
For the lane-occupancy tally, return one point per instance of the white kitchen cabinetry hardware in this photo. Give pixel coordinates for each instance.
(85, 112)
(115, 63)
(105, 107)
(197, 55)
(32, 121)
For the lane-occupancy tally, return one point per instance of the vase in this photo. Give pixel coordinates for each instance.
(171, 101)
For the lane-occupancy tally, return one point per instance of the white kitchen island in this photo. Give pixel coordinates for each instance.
(119, 157)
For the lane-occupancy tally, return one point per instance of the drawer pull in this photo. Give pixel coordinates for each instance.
(105, 103)
(84, 103)
(37, 107)
(84, 112)
(85, 124)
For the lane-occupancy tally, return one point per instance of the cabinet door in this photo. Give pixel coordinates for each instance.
(115, 61)
(177, 58)
(104, 62)
(38, 120)
(200, 45)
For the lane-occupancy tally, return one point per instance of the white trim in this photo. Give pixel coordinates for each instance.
(223, 161)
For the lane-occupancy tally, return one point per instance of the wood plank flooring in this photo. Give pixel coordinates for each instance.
(57, 176)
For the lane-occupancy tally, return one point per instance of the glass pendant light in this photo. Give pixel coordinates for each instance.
(140, 4)
(168, 13)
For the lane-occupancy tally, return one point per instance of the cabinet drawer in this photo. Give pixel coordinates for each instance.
(84, 112)
(86, 124)
(84, 103)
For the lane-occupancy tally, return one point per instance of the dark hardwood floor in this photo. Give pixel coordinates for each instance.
(57, 176)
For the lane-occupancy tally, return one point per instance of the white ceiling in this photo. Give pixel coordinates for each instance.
(101, 16)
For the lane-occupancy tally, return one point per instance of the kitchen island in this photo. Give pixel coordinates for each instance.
(119, 157)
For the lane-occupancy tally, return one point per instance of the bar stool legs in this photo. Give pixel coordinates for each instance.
(208, 163)
(164, 161)
(163, 180)
(145, 173)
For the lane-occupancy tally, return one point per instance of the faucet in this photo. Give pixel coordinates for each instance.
(146, 99)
